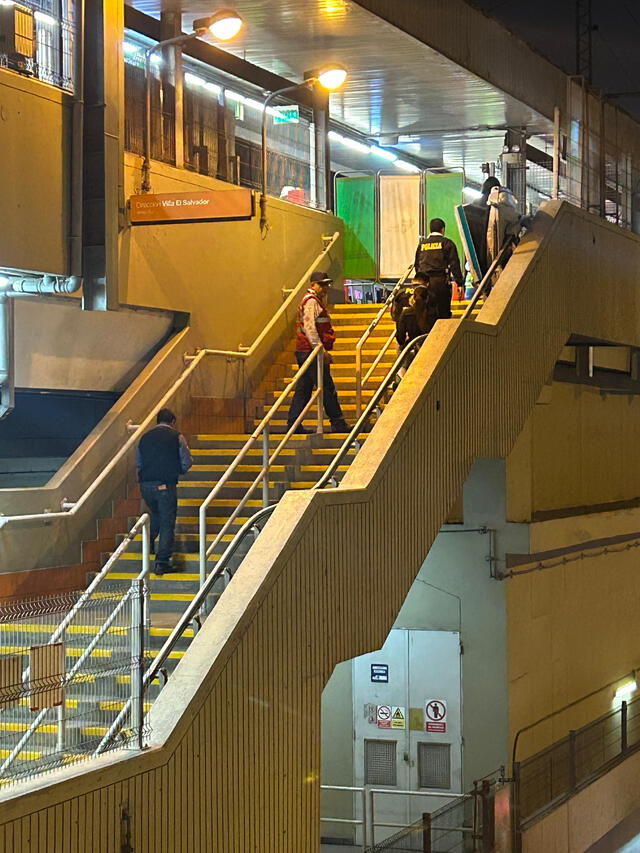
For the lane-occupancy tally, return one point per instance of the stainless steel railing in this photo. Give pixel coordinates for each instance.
(268, 457)
(360, 380)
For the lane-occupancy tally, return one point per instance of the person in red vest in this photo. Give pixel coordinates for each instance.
(313, 326)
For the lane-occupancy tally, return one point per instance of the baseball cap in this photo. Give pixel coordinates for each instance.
(320, 278)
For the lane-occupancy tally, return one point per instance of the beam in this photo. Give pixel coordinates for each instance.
(215, 57)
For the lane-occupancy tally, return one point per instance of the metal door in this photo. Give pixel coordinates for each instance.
(398, 747)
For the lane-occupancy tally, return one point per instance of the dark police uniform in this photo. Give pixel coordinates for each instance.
(437, 257)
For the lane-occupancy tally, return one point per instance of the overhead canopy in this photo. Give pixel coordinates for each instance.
(397, 86)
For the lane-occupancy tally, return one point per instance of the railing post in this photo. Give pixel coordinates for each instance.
(572, 760)
(61, 736)
(488, 818)
(265, 465)
(146, 546)
(624, 742)
(320, 365)
(515, 807)
(365, 828)
(426, 833)
(202, 543)
(371, 819)
(137, 662)
(358, 380)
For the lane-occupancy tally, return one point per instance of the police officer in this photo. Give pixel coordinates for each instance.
(437, 257)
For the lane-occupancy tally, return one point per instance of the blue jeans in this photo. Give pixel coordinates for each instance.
(162, 500)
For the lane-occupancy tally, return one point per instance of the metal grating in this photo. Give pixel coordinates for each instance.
(434, 765)
(380, 762)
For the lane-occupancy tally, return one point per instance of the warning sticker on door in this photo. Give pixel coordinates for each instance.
(435, 711)
(398, 718)
(383, 717)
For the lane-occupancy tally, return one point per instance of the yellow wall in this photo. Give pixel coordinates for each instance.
(224, 274)
(572, 628)
(579, 448)
(34, 163)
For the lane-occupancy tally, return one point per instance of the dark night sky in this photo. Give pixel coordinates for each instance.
(549, 26)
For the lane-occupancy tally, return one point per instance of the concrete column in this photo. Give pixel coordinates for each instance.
(173, 78)
(103, 185)
(322, 153)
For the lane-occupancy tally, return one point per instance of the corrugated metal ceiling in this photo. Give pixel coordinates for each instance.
(396, 84)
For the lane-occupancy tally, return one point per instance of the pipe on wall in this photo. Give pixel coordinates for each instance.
(77, 146)
(15, 286)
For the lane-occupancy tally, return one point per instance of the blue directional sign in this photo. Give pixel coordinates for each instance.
(380, 673)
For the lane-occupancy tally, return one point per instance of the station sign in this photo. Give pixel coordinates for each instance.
(286, 114)
(202, 206)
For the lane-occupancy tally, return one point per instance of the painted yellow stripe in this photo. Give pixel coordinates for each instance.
(71, 653)
(171, 596)
(322, 468)
(22, 727)
(174, 576)
(229, 502)
(22, 756)
(182, 558)
(164, 632)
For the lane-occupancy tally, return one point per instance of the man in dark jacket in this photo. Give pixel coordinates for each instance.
(162, 456)
(437, 257)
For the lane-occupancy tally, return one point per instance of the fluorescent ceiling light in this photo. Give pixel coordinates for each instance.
(380, 152)
(194, 80)
(7, 3)
(43, 18)
(408, 167)
(130, 48)
(213, 88)
(155, 59)
(626, 690)
(234, 96)
(348, 143)
(3, 279)
(469, 191)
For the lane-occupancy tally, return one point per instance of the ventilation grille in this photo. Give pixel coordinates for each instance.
(434, 765)
(380, 762)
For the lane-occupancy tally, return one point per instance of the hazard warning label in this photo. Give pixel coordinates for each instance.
(398, 717)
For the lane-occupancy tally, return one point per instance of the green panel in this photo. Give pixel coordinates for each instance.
(355, 204)
(443, 192)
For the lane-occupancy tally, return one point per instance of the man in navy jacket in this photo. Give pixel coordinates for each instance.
(162, 456)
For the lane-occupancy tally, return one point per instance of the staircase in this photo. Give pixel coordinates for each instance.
(300, 466)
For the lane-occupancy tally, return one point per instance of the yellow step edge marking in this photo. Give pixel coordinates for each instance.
(22, 727)
(173, 576)
(22, 756)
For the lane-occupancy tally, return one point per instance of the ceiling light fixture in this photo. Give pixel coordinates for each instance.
(223, 25)
(380, 152)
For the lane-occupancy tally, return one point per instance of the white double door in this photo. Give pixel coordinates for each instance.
(408, 724)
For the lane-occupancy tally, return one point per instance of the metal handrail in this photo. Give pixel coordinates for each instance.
(317, 355)
(487, 278)
(142, 523)
(196, 606)
(70, 509)
(372, 325)
(371, 406)
(327, 477)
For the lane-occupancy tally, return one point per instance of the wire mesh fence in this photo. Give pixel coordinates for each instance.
(547, 778)
(37, 39)
(454, 828)
(61, 689)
